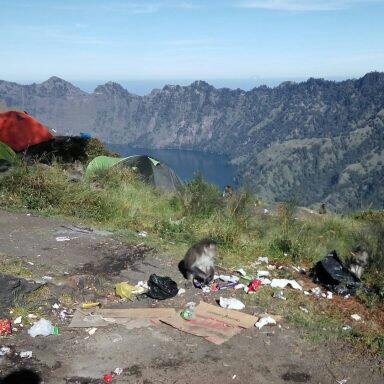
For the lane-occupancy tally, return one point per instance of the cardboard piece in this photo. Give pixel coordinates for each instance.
(130, 317)
(86, 319)
(215, 324)
(137, 313)
(229, 316)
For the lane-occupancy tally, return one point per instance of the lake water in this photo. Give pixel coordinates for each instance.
(214, 168)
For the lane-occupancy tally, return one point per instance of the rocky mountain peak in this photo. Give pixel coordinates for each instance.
(111, 88)
(55, 86)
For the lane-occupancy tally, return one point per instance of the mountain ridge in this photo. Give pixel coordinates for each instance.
(315, 131)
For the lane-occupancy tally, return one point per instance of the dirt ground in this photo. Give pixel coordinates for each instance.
(156, 354)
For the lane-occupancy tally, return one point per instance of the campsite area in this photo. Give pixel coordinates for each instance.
(90, 243)
(158, 353)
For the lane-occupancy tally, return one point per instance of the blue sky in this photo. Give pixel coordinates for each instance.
(92, 40)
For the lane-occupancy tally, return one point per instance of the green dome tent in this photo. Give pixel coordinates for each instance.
(7, 156)
(150, 170)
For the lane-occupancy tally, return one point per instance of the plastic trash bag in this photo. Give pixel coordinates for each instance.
(333, 275)
(42, 328)
(161, 288)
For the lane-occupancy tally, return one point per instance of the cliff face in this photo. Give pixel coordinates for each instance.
(313, 141)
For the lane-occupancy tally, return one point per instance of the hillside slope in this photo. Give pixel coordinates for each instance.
(312, 141)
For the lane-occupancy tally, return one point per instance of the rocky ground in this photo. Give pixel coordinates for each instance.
(85, 268)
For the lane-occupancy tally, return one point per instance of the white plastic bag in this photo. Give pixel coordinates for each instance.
(41, 328)
(231, 303)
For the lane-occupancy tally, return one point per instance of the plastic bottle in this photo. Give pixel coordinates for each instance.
(43, 328)
(188, 313)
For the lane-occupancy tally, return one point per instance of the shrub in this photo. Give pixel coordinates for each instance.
(199, 198)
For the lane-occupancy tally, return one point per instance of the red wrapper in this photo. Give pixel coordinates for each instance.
(5, 327)
(254, 285)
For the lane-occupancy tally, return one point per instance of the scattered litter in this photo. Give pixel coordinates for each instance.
(342, 381)
(263, 259)
(356, 317)
(188, 313)
(124, 290)
(241, 286)
(346, 328)
(234, 377)
(55, 306)
(206, 289)
(271, 267)
(62, 238)
(30, 263)
(32, 316)
(231, 303)
(92, 331)
(108, 377)
(316, 291)
(304, 309)
(217, 286)
(161, 288)
(181, 291)
(5, 351)
(229, 279)
(140, 287)
(333, 275)
(43, 328)
(241, 271)
(5, 327)
(254, 285)
(265, 281)
(142, 234)
(262, 273)
(63, 315)
(118, 371)
(282, 283)
(266, 320)
(26, 354)
(279, 295)
(49, 278)
(329, 295)
(18, 320)
(306, 293)
(90, 305)
(266, 210)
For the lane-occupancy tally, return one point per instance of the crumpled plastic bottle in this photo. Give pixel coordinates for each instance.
(188, 313)
(43, 328)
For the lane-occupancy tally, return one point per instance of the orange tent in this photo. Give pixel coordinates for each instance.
(19, 130)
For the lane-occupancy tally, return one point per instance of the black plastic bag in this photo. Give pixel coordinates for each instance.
(333, 275)
(161, 288)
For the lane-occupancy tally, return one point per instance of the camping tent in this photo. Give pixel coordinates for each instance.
(149, 170)
(19, 130)
(7, 156)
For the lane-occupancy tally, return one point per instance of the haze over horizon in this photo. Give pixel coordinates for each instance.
(232, 43)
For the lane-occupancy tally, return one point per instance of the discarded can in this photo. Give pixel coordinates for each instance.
(5, 327)
(108, 378)
(254, 285)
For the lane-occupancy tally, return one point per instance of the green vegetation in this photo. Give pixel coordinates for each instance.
(117, 200)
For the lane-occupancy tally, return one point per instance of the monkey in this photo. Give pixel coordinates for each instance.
(322, 209)
(358, 261)
(228, 192)
(198, 262)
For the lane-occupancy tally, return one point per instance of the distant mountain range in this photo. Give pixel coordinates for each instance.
(311, 142)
